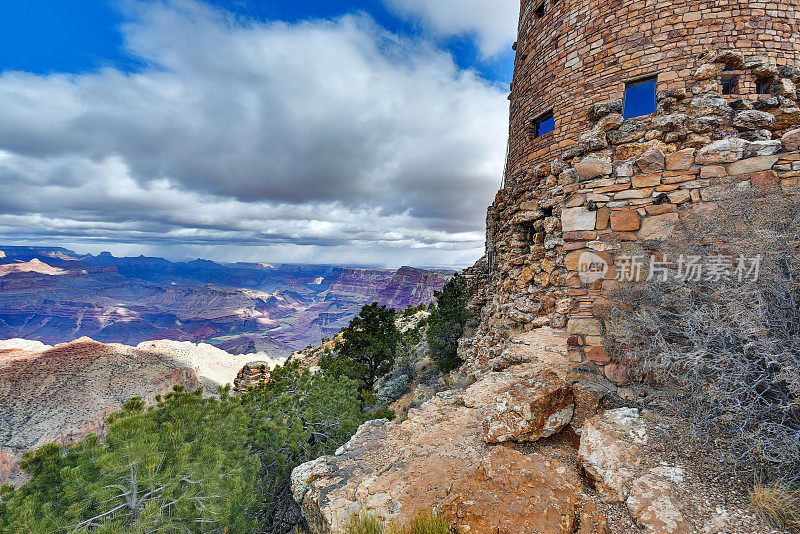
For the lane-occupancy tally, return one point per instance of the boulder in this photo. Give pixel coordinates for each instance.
(530, 410)
(722, 151)
(609, 451)
(653, 505)
(437, 459)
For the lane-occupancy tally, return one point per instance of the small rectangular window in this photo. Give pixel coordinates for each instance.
(544, 124)
(640, 98)
(539, 11)
(730, 86)
(761, 87)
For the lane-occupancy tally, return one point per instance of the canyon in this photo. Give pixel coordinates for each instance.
(54, 295)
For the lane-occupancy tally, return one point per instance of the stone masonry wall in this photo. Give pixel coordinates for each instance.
(582, 52)
(629, 181)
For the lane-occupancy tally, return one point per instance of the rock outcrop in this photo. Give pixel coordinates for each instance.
(251, 375)
(531, 409)
(437, 458)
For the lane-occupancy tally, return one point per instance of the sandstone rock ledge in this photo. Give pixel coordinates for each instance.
(437, 458)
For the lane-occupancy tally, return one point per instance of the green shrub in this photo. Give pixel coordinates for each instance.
(192, 464)
(185, 466)
(447, 321)
(294, 418)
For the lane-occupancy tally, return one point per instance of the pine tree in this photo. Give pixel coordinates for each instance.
(447, 321)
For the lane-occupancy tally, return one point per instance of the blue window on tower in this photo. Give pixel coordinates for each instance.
(640, 98)
(544, 124)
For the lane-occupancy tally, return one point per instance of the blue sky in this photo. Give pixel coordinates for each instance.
(44, 36)
(368, 132)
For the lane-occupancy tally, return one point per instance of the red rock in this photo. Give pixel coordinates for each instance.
(597, 355)
(765, 180)
(624, 220)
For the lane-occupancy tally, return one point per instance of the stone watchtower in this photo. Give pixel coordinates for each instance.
(624, 114)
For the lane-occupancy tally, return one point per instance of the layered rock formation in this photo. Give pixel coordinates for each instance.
(62, 393)
(55, 295)
(251, 375)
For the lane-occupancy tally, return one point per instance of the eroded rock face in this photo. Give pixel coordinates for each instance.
(530, 410)
(251, 375)
(609, 451)
(436, 458)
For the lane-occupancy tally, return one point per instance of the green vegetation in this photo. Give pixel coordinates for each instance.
(190, 464)
(428, 522)
(296, 417)
(368, 348)
(447, 321)
(183, 467)
(214, 465)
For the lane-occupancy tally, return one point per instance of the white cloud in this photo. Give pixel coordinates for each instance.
(316, 141)
(492, 22)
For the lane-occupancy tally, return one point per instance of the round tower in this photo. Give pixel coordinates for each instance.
(573, 53)
(624, 116)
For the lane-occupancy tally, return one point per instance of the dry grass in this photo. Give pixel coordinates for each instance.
(777, 504)
(427, 522)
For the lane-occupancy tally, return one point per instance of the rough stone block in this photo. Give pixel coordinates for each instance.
(766, 181)
(585, 325)
(722, 151)
(745, 166)
(592, 167)
(791, 140)
(646, 180)
(625, 220)
(659, 227)
(680, 160)
(651, 161)
(577, 219)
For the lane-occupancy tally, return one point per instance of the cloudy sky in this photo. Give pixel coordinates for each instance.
(360, 131)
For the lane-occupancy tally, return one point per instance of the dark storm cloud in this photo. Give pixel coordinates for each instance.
(319, 134)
